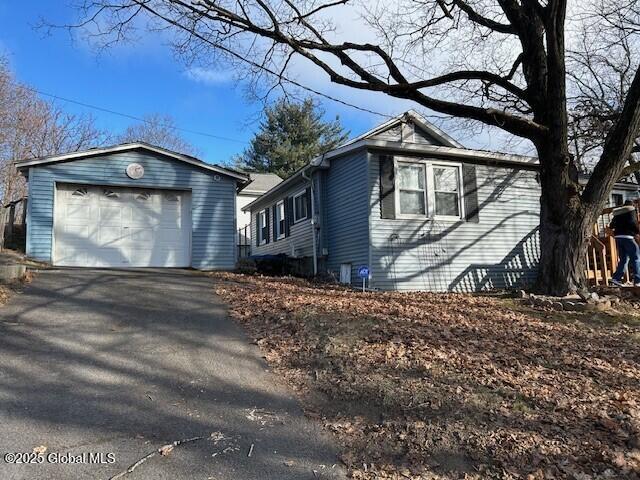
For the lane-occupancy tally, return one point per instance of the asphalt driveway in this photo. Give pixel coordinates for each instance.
(103, 365)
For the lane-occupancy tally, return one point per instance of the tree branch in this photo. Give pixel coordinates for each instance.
(618, 146)
(481, 20)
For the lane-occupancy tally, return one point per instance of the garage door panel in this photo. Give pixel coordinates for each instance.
(108, 257)
(71, 232)
(115, 227)
(79, 210)
(111, 215)
(141, 236)
(73, 257)
(165, 255)
(109, 235)
(169, 235)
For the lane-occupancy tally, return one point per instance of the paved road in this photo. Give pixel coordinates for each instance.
(123, 362)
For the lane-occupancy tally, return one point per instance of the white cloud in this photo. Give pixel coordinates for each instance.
(208, 76)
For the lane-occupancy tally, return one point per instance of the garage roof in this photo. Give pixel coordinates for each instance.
(124, 147)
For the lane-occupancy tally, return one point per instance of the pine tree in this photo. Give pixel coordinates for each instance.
(290, 135)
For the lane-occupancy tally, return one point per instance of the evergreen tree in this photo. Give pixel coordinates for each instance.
(290, 135)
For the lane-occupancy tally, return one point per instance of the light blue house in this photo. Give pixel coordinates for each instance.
(131, 205)
(415, 207)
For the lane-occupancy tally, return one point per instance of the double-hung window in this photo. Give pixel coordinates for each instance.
(300, 206)
(428, 189)
(446, 190)
(411, 189)
(263, 227)
(280, 220)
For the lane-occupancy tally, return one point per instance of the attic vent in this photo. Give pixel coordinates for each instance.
(110, 193)
(80, 192)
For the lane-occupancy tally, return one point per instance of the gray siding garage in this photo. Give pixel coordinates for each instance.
(131, 205)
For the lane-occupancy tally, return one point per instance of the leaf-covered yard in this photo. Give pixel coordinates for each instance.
(422, 385)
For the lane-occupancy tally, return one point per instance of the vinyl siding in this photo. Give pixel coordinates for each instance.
(413, 134)
(501, 250)
(299, 243)
(213, 244)
(346, 206)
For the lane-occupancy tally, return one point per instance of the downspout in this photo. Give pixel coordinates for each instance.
(313, 222)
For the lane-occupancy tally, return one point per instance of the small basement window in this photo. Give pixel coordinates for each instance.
(300, 206)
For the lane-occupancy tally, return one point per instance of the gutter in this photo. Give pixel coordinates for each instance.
(480, 156)
(312, 223)
(303, 173)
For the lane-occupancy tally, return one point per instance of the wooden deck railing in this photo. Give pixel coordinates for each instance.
(602, 254)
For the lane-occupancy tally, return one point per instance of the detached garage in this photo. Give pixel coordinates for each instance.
(131, 205)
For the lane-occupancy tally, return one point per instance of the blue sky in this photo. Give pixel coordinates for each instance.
(138, 79)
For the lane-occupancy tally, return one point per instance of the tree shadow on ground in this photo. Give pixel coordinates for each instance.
(128, 361)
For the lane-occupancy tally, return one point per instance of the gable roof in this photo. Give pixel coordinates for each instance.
(450, 149)
(260, 183)
(125, 147)
(417, 119)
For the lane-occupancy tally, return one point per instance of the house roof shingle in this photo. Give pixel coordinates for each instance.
(260, 183)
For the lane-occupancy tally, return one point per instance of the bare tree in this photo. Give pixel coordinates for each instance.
(499, 62)
(31, 127)
(602, 68)
(159, 130)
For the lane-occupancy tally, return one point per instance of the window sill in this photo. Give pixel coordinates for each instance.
(424, 218)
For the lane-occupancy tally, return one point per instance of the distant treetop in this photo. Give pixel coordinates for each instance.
(290, 135)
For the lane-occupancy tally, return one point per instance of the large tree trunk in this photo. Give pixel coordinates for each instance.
(563, 247)
(565, 223)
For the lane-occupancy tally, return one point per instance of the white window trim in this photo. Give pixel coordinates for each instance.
(611, 202)
(280, 235)
(432, 190)
(262, 219)
(430, 194)
(302, 219)
(424, 191)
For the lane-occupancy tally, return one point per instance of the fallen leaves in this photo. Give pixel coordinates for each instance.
(444, 386)
(165, 450)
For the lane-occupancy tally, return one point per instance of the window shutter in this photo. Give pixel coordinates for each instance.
(257, 229)
(387, 187)
(307, 194)
(470, 185)
(288, 215)
(275, 223)
(266, 230)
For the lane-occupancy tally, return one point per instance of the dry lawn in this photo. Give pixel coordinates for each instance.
(446, 386)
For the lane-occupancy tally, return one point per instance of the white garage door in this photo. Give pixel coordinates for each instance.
(121, 227)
